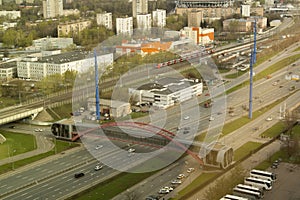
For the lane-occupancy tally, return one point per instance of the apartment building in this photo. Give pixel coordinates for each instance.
(237, 25)
(72, 28)
(245, 10)
(195, 18)
(139, 7)
(200, 36)
(52, 8)
(159, 18)
(124, 25)
(105, 19)
(144, 21)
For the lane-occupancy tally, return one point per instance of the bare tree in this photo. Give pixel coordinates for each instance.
(131, 195)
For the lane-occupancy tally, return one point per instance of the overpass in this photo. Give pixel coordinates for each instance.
(143, 134)
(7, 116)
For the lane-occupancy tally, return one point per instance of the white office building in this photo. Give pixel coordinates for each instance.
(159, 18)
(8, 70)
(143, 21)
(37, 68)
(124, 25)
(165, 92)
(48, 43)
(52, 8)
(105, 19)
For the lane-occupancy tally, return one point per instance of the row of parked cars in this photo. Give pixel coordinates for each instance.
(174, 183)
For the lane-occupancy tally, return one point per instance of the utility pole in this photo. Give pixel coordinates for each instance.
(97, 88)
(252, 61)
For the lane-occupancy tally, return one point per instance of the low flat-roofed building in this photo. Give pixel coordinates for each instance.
(8, 70)
(80, 61)
(165, 92)
(47, 43)
(113, 108)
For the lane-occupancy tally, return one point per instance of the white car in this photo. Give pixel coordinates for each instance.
(98, 167)
(211, 119)
(131, 150)
(180, 176)
(191, 169)
(269, 119)
(176, 181)
(38, 130)
(163, 191)
(186, 117)
(98, 147)
(168, 188)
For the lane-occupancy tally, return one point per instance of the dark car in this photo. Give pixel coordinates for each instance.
(11, 127)
(152, 197)
(78, 175)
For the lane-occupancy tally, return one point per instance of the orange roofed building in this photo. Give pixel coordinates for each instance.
(142, 48)
(200, 36)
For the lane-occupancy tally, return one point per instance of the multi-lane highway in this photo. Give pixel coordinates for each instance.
(55, 179)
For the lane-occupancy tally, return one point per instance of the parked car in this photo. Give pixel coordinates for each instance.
(163, 191)
(176, 181)
(191, 169)
(180, 176)
(98, 147)
(131, 150)
(98, 167)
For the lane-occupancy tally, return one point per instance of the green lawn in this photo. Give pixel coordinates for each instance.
(267, 163)
(63, 111)
(245, 150)
(112, 187)
(235, 74)
(60, 146)
(274, 131)
(16, 143)
(273, 68)
(200, 181)
(234, 125)
(6, 102)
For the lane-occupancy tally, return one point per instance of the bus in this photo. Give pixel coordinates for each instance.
(247, 193)
(260, 183)
(250, 188)
(270, 176)
(233, 197)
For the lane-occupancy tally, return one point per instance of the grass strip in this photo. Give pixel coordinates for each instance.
(273, 68)
(245, 149)
(60, 147)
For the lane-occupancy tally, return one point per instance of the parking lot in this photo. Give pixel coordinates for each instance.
(287, 186)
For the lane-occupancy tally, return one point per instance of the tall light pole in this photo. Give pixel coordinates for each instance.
(13, 161)
(252, 61)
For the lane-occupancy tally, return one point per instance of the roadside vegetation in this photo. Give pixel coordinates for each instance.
(60, 147)
(16, 143)
(265, 73)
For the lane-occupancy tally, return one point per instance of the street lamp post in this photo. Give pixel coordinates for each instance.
(13, 161)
